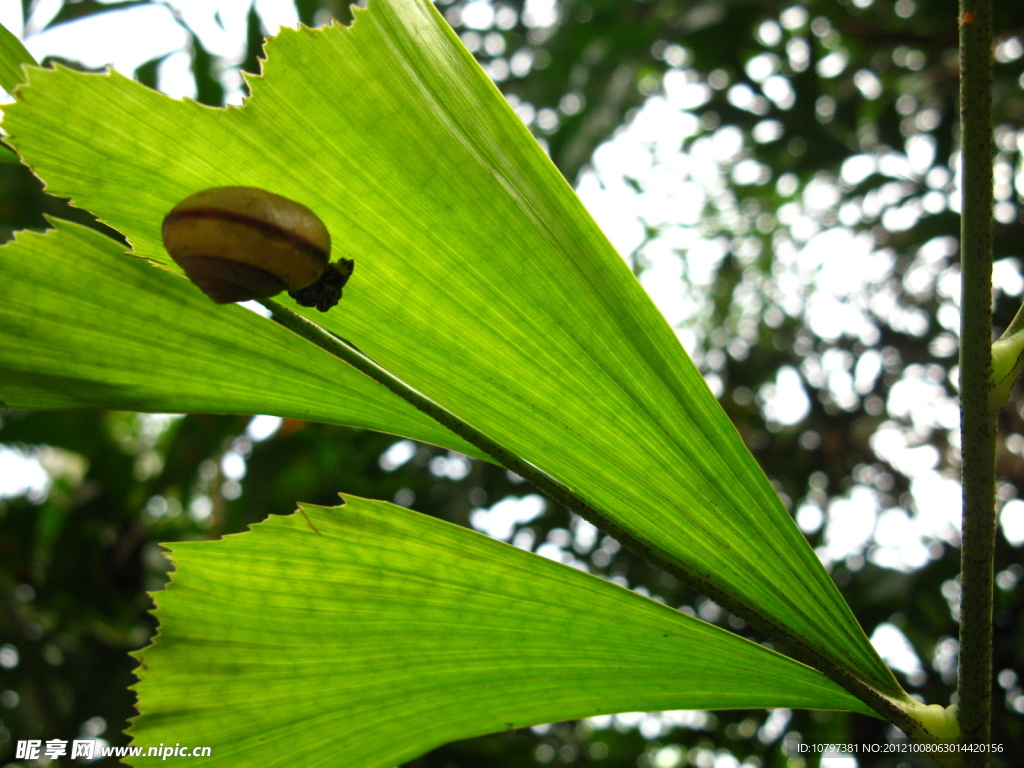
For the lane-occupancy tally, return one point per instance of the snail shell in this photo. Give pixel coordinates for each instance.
(241, 243)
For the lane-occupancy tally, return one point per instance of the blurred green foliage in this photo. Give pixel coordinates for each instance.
(811, 90)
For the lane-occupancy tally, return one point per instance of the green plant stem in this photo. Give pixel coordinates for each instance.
(833, 668)
(978, 424)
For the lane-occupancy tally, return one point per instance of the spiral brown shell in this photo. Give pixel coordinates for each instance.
(241, 243)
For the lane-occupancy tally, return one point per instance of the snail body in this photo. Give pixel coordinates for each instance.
(242, 243)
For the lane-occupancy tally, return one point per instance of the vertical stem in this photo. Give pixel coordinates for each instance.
(978, 436)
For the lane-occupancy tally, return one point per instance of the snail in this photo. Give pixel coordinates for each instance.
(242, 243)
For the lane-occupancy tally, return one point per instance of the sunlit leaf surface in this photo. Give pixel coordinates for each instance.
(367, 634)
(480, 280)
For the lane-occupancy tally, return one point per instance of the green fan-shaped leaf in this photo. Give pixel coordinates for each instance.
(367, 634)
(480, 281)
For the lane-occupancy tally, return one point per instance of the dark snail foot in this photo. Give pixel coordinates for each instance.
(326, 291)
